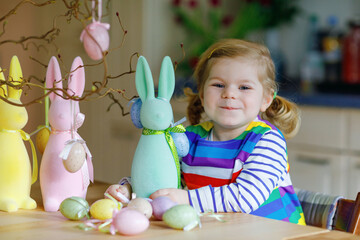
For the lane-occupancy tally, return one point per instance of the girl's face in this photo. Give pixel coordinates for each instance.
(233, 96)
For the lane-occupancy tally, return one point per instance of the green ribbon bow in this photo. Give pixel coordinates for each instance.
(176, 129)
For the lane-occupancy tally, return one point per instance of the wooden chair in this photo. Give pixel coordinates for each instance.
(331, 212)
(347, 216)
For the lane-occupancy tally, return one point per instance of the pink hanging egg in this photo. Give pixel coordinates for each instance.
(99, 31)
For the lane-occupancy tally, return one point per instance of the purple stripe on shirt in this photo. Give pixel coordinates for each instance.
(243, 156)
(271, 150)
(272, 159)
(257, 178)
(287, 189)
(199, 200)
(236, 199)
(252, 195)
(274, 142)
(222, 199)
(254, 185)
(213, 197)
(213, 162)
(231, 144)
(254, 137)
(265, 164)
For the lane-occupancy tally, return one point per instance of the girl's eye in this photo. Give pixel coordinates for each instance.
(244, 88)
(219, 85)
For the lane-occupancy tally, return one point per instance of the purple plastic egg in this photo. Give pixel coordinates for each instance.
(160, 205)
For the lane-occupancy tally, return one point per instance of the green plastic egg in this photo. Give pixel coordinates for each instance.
(180, 216)
(74, 208)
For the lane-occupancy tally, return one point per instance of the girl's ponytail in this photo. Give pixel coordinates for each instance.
(285, 115)
(195, 108)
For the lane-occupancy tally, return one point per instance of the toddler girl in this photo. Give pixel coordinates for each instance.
(238, 157)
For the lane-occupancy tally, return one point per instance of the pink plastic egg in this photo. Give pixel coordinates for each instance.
(130, 222)
(160, 205)
(99, 31)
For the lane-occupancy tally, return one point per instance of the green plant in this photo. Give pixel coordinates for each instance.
(206, 21)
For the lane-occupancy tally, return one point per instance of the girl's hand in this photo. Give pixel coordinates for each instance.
(115, 189)
(177, 195)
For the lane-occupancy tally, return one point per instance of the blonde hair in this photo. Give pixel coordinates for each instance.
(282, 113)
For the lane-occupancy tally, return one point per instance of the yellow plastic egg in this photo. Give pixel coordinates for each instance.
(42, 138)
(103, 209)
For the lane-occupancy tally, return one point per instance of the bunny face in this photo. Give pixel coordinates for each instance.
(12, 117)
(61, 114)
(62, 111)
(155, 113)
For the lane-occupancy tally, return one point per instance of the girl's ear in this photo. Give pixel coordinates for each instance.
(267, 100)
(53, 78)
(76, 84)
(143, 80)
(3, 88)
(16, 77)
(167, 79)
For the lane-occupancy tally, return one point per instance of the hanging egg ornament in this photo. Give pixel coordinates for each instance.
(95, 38)
(160, 205)
(142, 205)
(74, 208)
(130, 222)
(103, 209)
(181, 216)
(42, 138)
(76, 158)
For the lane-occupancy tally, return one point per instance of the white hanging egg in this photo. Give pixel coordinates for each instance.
(76, 158)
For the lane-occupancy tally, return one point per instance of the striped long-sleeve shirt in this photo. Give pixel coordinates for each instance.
(248, 174)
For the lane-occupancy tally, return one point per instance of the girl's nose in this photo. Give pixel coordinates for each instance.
(228, 92)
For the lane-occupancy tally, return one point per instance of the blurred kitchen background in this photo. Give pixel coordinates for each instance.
(315, 45)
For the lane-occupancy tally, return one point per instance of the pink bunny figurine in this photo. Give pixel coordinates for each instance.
(56, 182)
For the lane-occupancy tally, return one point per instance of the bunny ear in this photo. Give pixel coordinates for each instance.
(144, 81)
(16, 77)
(76, 83)
(167, 79)
(53, 77)
(3, 88)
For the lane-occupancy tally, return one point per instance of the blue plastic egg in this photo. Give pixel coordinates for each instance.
(181, 143)
(135, 113)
